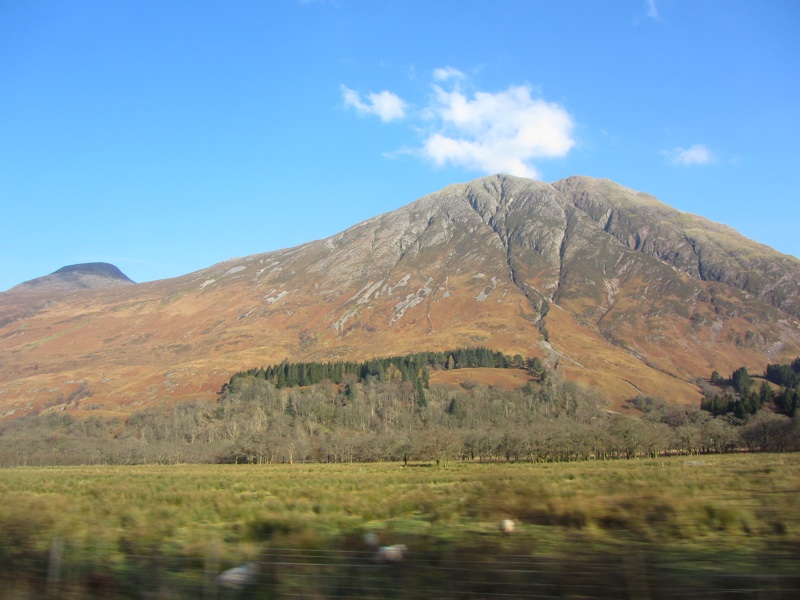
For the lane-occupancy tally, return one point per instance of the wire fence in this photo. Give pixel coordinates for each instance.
(640, 572)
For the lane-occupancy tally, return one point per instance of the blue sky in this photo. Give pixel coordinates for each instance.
(164, 137)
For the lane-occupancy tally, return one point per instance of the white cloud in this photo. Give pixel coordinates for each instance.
(652, 9)
(496, 132)
(489, 132)
(385, 105)
(445, 73)
(698, 154)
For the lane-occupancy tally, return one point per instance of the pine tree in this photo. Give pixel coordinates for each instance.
(740, 379)
(422, 400)
(766, 395)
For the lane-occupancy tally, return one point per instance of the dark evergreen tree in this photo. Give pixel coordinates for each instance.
(740, 379)
(788, 402)
(785, 375)
(422, 400)
(766, 395)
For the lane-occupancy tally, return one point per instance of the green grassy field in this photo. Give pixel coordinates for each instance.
(641, 524)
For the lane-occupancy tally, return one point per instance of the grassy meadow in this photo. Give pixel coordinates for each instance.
(164, 531)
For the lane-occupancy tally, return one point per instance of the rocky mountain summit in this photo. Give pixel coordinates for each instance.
(608, 285)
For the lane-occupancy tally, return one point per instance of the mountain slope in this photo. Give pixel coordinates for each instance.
(607, 284)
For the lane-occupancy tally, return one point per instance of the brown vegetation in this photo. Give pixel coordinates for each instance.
(577, 273)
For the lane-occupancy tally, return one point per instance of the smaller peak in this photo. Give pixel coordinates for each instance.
(96, 268)
(77, 277)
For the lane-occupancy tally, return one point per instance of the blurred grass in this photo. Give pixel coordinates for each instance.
(724, 510)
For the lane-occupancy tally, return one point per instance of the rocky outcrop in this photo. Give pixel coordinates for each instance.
(700, 248)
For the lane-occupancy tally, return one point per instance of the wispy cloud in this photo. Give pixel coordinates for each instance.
(652, 9)
(698, 154)
(490, 132)
(385, 105)
(445, 73)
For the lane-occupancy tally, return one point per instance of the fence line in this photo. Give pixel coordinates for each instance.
(642, 573)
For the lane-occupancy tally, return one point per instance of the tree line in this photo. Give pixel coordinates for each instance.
(412, 367)
(740, 396)
(378, 418)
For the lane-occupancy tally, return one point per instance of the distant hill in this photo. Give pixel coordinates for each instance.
(87, 276)
(604, 284)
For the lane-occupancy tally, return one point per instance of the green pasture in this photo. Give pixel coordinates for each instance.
(727, 513)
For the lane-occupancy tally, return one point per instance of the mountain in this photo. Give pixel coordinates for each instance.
(77, 277)
(607, 285)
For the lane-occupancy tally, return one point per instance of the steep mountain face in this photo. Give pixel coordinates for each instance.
(608, 285)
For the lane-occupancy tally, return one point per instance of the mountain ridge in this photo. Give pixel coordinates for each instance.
(592, 277)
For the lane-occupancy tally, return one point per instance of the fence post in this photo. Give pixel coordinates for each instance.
(211, 568)
(635, 574)
(54, 567)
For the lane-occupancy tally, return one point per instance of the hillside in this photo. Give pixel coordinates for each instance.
(608, 285)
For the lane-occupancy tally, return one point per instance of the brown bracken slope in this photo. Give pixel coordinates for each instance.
(608, 285)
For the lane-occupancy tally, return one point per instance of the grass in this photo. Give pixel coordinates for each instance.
(717, 514)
